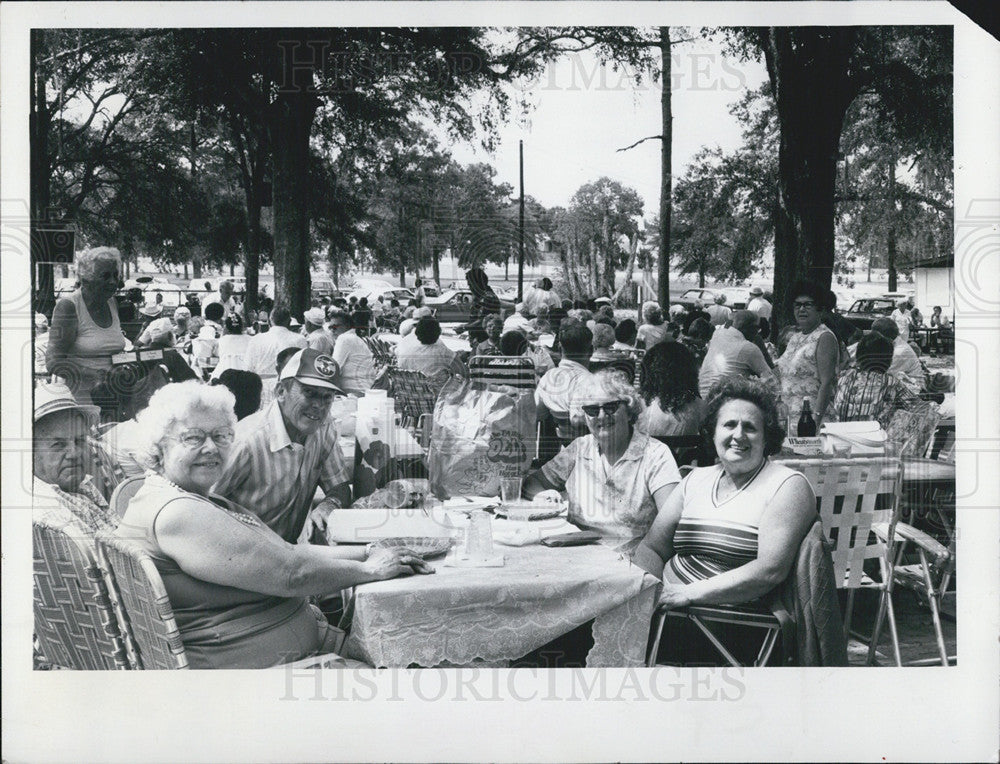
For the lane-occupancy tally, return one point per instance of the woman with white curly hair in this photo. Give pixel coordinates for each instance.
(238, 590)
(652, 330)
(617, 477)
(85, 330)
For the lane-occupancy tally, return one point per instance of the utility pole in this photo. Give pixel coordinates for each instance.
(520, 229)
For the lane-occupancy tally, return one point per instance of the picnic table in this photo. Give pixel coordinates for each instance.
(460, 616)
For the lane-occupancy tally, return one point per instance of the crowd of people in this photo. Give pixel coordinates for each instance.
(233, 431)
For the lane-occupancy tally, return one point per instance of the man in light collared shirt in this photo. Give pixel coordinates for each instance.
(759, 304)
(905, 365)
(556, 389)
(262, 349)
(422, 350)
(284, 452)
(355, 361)
(730, 353)
(518, 321)
(901, 317)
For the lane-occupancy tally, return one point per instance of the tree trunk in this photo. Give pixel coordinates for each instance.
(890, 244)
(39, 122)
(289, 125)
(252, 268)
(808, 70)
(666, 169)
(185, 270)
(436, 266)
(196, 267)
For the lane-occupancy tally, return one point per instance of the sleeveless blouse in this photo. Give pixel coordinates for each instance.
(715, 536)
(221, 626)
(799, 373)
(95, 344)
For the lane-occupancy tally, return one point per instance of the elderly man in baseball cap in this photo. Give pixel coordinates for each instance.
(284, 452)
(64, 494)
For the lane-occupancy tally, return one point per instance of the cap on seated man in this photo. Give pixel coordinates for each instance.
(282, 453)
(64, 495)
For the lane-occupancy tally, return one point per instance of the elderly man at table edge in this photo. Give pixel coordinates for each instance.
(282, 453)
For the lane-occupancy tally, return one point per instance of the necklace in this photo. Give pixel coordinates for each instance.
(738, 489)
(243, 517)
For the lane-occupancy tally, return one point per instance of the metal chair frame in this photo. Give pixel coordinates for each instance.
(847, 495)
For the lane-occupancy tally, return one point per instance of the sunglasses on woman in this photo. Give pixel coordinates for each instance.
(609, 408)
(196, 438)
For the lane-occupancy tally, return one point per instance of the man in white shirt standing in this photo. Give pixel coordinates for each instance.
(730, 353)
(758, 304)
(317, 336)
(901, 317)
(224, 297)
(541, 295)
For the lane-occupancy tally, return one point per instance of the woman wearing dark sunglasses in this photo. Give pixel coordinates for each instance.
(617, 477)
(237, 589)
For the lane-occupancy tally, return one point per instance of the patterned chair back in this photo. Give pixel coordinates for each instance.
(513, 371)
(75, 623)
(145, 607)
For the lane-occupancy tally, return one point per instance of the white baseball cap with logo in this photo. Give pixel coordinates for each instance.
(310, 367)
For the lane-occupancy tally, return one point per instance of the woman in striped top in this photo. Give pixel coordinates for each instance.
(731, 532)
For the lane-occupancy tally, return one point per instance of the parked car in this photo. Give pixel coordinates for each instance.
(897, 296)
(402, 294)
(453, 305)
(736, 297)
(323, 288)
(863, 312)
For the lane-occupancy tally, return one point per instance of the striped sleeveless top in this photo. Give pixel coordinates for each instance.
(715, 536)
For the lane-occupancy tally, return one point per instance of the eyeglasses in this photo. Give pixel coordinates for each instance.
(196, 438)
(609, 408)
(804, 304)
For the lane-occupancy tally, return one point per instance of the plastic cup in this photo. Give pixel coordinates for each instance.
(510, 489)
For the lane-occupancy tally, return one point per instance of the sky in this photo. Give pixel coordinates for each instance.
(582, 113)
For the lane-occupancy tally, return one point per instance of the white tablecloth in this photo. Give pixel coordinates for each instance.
(460, 616)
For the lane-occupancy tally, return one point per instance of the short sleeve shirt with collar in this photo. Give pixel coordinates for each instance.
(730, 354)
(262, 349)
(616, 500)
(430, 359)
(905, 365)
(275, 478)
(356, 363)
(85, 512)
(761, 307)
(557, 387)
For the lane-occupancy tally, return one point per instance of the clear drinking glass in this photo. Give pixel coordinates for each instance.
(510, 489)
